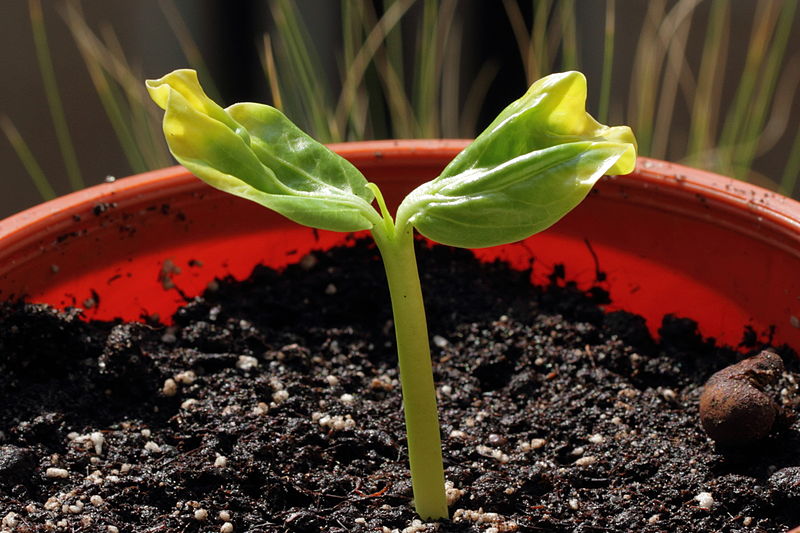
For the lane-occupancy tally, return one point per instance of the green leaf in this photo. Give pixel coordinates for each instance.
(254, 151)
(534, 163)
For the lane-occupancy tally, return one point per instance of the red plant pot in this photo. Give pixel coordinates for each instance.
(665, 239)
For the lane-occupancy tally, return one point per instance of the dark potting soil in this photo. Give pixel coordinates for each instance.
(273, 404)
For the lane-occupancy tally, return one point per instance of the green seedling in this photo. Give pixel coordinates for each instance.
(535, 162)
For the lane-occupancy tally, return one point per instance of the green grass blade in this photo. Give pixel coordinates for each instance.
(674, 34)
(766, 83)
(522, 36)
(791, 171)
(189, 47)
(424, 94)
(53, 97)
(608, 62)
(648, 60)
(312, 103)
(271, 72)
(540, 42)
(569, 44)
(763, 26)
(705, 107)
(27, 158)
(355, 73)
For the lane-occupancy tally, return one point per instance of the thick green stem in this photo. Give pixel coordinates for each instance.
(416, 373)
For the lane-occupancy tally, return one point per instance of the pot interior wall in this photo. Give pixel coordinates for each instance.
(663, 240)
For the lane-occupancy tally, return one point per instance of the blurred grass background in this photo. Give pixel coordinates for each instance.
(709, 83)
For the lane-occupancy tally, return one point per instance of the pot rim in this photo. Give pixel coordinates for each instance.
(771, 208)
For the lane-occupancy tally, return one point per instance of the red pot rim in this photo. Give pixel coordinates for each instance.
(775, 209)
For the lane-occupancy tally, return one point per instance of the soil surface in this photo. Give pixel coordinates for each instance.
(273, 404)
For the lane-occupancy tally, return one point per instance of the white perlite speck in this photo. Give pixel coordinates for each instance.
(98, 440)
(58, 473)
(224, 516)
(596, 439)
(112, 529)
(10, 520)
(573, 504)
(170, 388)
(439, 341)
(152, 447)
(653, 519)
(145, 433)
(704, 500)
(246, 363)
(221, 461)
(497, 521)
(452, 493)
(200, 514)
(96, 500)
(417, 526)
(336, 422)
(280, 396)
(332, 380)
(347, 399)
(188, 403)
(494, 453)
(227, 527)
(186, 377)
(586, 460)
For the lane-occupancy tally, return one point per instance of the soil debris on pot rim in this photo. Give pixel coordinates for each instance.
(273, 404)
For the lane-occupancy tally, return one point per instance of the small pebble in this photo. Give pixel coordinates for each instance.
(439, 341)
(225, 516)
(348, 399)
(152, 447)
(96, 500)
(735, 408)
(221, 461)
(200, 514)
(112, 529)
(586, 460)
(227, 527)
(330, 290)
(146, 433)
(332, 380)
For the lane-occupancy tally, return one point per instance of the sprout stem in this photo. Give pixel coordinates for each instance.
(416, 374)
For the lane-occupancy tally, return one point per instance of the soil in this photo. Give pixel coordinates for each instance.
(273, 404)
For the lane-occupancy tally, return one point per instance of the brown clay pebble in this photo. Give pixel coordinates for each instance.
(734, 408)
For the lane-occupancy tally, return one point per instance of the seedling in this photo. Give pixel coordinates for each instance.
(535, 162)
